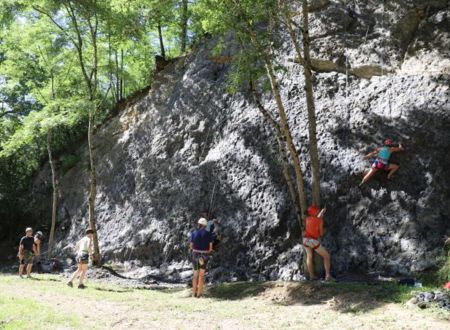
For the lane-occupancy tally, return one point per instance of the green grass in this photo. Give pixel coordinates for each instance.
(26, 313)
(49, 303)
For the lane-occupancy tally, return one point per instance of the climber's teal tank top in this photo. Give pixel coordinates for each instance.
(384, 154)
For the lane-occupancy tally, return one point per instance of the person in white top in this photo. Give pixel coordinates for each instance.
(84, 251)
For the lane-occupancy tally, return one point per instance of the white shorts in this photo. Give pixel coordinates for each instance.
(311, 243)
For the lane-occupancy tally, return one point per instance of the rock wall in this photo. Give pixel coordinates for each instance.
(187, 145)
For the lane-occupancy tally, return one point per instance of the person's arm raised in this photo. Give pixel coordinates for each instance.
(397, 149)
(372, 154)
(322, 213)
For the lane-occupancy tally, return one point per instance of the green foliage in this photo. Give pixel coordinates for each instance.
(43, 95)
(251, 24)
(68, 162)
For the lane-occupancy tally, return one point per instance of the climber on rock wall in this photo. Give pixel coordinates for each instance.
(311, 241)
(381, 162)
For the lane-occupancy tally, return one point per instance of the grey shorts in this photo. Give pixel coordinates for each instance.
(83, 258)
(311, 243)
(199, 260)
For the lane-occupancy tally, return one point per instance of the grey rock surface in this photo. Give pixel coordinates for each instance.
(188, 145)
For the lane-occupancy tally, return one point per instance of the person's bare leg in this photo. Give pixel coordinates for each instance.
(194, 283)
(75, 274)
(84, 268)
(367, 177)
(326, 262)
(29, 269)
(310, 262)
(21, 267)
(392, 169)
(201, 280)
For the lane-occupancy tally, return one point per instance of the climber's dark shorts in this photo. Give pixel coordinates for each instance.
(380, 165)
(27, 258)
(199, 260)
(83, 258)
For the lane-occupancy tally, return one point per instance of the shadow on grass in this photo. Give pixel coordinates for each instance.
(45, 279)
(342, 297)
(124, 290)
(238, 290)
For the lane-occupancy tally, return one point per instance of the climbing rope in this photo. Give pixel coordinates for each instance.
(346, 101)
(384, 53)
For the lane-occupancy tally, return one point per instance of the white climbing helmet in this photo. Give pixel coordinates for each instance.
(203, 222)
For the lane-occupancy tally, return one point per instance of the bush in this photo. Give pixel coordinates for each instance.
(68, 162)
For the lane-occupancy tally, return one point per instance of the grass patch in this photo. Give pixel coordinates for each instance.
(25, 313)
(251, 305)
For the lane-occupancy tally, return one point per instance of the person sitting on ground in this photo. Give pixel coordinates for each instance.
(38, 237)
(201, 246)
(214, 228)
(84, 251)
(311, 241)
(27, 250)
(381, 162)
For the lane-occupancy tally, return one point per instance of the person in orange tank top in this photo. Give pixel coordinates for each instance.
(311, 241)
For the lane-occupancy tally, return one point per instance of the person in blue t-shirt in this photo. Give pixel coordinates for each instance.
(381, 162)
(201, 246)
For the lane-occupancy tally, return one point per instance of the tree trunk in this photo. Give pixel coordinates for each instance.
(284, 122)
(121, 75)
(289, 140)
(54, 199)
(282, 150)
(161, 41)
(184, 25)
(116, 55)
(313, 149)
(90, 18)
(93, 186)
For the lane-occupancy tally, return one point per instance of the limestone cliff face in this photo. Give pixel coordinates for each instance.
(187, 145)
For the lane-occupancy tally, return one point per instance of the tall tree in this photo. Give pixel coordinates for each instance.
(51, 238)
(244, 18)
(305, 60)
(38, 46)
(83, 33)
(184, 24)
